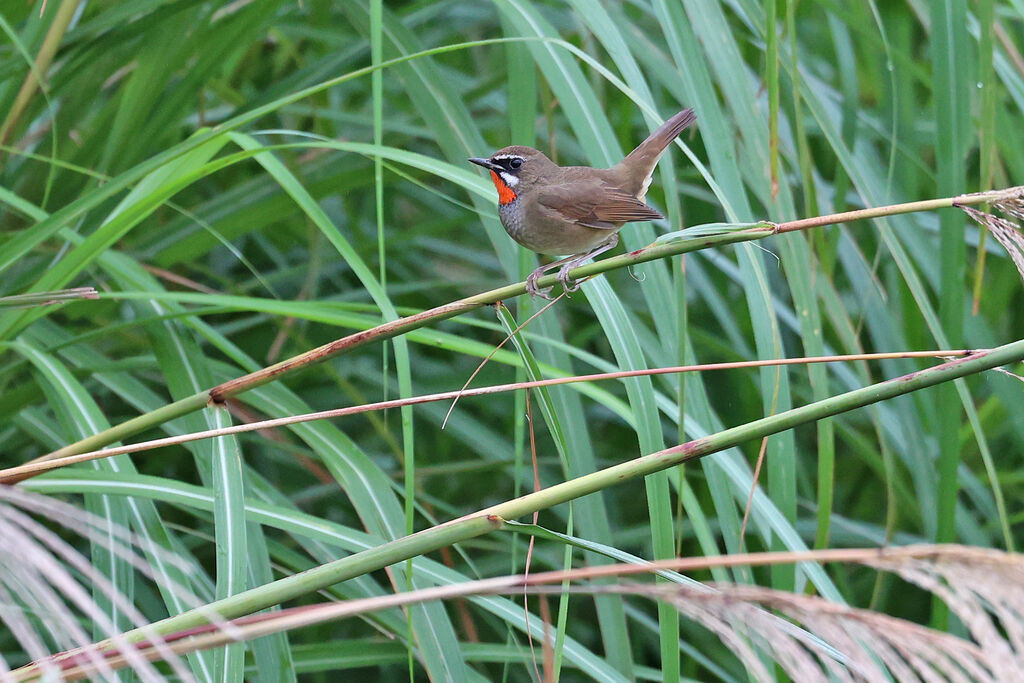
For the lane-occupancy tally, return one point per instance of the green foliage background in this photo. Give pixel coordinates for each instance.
(221, 252)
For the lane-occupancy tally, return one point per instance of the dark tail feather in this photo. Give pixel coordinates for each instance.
(642, 160)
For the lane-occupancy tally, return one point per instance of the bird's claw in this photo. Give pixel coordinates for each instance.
(531, 285)
(568, 284)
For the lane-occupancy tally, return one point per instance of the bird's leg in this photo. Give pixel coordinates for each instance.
(564, 265)
(531, 280)
(575, 261)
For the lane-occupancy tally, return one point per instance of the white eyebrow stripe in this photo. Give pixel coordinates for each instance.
(506, 156)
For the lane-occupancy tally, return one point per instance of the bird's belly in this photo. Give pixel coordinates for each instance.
(554, 238)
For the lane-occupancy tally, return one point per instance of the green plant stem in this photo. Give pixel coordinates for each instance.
(37, 74)
(491, 518)
(9, 475)
(402, 325)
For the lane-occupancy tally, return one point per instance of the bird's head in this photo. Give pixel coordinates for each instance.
(515, 169)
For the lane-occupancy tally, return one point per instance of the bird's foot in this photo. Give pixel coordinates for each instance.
(531, 284)
(571, 262)
(568, 284)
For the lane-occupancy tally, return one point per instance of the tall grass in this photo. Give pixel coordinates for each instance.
(245, 182)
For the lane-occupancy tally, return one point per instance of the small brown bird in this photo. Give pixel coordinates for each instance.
(575, 210)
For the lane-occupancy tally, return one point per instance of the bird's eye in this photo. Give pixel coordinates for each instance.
(515, 163)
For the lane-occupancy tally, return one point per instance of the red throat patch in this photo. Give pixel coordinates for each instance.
(506, 195)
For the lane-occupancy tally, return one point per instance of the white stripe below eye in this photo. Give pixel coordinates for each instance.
(509, 179)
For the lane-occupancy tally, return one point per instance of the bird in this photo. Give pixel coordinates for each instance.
(575, 210)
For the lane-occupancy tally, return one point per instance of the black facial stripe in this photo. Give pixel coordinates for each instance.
(507, 161)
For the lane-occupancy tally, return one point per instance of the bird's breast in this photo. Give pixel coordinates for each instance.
(541, 233)
(511, 215)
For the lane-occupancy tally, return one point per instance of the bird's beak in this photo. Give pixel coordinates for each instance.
(486, 163)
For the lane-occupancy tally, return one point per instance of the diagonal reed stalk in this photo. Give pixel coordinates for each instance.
(264, 623)
(492, 518)
(400, 326)
(13, 475)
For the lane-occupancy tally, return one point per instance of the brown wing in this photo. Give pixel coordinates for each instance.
(597, 207)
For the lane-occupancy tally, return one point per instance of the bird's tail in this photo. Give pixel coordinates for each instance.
(641, 161)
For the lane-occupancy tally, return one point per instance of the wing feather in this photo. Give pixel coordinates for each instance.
(600, 207)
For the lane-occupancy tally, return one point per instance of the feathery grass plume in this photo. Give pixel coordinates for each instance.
(983, 587)
(47, 587)
(819, 638)
(811, 638)
(1006, 232)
